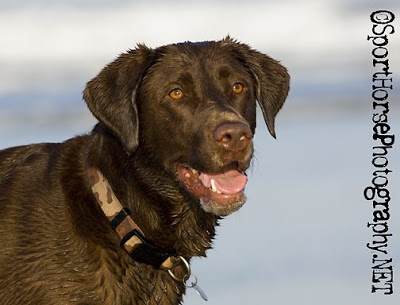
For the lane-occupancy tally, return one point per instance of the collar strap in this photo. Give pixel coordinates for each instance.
(132, 237)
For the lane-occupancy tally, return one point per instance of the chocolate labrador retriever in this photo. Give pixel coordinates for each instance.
(113, 217)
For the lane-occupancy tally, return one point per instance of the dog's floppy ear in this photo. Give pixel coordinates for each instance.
(272, 81)
(272, 87)
(111, 95)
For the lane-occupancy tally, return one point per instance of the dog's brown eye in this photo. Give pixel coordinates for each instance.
(176, 94)
(237, 88)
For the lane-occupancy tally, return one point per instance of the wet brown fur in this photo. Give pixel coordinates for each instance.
(56, 246)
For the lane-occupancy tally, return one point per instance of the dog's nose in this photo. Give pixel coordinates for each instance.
(233, 136)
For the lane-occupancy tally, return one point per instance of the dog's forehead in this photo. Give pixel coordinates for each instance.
(209, 57)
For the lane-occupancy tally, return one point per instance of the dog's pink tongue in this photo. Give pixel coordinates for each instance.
(229, 182)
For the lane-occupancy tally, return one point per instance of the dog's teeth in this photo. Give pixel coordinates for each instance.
(213, 188)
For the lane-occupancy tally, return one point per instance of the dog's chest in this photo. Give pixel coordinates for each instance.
(137, 285)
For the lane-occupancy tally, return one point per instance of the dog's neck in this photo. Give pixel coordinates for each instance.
(164, 211)
(132, 237)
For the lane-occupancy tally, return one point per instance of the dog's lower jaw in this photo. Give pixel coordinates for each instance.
(218, 209)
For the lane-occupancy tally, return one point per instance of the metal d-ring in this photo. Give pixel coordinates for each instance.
(186, 275)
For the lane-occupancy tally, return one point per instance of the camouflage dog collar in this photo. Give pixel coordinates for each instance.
(132, 237)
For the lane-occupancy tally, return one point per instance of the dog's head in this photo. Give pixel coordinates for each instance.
(192, 108)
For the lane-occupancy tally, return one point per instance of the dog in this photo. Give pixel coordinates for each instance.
(114, 216)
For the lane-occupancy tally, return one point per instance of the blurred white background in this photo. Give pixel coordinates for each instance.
(301, 237)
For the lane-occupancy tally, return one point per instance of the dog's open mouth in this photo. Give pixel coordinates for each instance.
(220, 193)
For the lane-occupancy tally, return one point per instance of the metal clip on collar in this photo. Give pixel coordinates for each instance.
(181, 261)
(187, 274)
